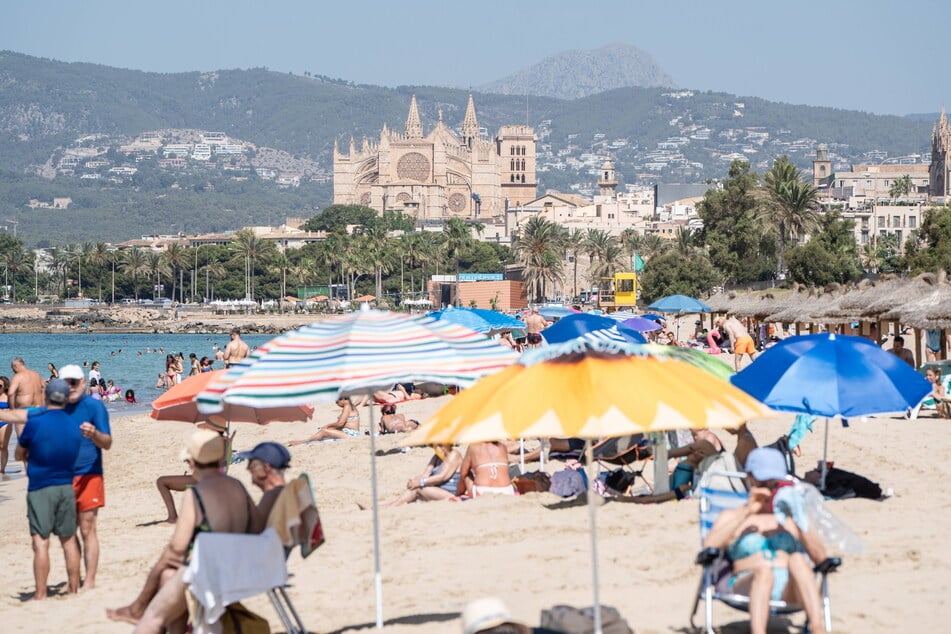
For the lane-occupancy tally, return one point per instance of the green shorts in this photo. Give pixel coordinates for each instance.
(52, 510)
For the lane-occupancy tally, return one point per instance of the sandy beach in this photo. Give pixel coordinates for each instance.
(532, 550)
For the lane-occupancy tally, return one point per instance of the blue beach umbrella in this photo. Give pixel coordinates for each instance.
(652, 316)
(679, 305)
(556, 312)
(832, 375)
(590, 327)
(478, 319)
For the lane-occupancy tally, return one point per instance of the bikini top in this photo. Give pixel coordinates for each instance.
(749, 544)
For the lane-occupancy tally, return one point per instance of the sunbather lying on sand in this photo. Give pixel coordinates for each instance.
(391, 422)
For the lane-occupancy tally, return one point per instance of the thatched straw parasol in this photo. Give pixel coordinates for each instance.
(760, 305)
(901, 292)
(721, 302)
(930, 307)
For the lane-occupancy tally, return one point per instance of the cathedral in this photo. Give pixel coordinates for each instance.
(441, 174)
(940, 177)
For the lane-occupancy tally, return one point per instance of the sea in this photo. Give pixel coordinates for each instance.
(131, 361)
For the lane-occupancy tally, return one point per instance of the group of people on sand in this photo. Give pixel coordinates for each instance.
(214, 503)
(61, 432)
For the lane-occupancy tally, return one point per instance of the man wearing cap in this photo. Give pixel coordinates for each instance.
(50, 441)
(93, 420)
(266, 464)
(217, 503)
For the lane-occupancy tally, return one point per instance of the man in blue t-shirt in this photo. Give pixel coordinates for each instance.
(50, 443)
(93, 421)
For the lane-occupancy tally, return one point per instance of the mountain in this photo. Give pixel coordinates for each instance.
(573, 74)
(49, 109)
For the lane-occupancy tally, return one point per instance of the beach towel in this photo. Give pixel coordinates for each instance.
(228, 567)
(295, 518)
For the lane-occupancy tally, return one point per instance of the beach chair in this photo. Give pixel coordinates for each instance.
(261, 567)
(630, 452)
(717, 568)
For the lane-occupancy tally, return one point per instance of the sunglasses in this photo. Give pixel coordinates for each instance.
(73, 382)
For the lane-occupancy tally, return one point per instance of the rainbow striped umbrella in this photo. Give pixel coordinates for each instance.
(358, 353)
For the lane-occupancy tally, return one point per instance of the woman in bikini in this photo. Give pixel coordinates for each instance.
(392, 423)
(347, 425)
(485, 470)
(438, 481)
(768, 549)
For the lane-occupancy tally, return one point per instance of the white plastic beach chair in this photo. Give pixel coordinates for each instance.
(718, 491)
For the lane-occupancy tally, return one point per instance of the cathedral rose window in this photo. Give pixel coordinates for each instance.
(413, 166)
(457, 202)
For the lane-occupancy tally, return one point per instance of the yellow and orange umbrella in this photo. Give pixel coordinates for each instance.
(589, 394)
(589, 389)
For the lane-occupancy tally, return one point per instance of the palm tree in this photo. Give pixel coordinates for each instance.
(574, 241)
(652, 245)
(376, 250)
(214, 270)
(100, 257)
(458, 240)
(900, 187)
(158, 268)
(790, 205)
(683, 241)
(251, 249)
(177, 260)
(134, 263)
(538, 248)
(16, 261)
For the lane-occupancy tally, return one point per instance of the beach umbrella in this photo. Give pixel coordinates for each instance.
(556, 312)
(590, 327)
(479, 319)
(679, 305)
(653, 316)
(355, 354)
(179, 403)
(832, 375)
(318, 298)
(641, 324)
(365, 298)
(591, 390)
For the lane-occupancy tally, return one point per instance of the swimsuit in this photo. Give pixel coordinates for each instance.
(353, 433)
(493, 468)
(749, 544)
(478, 490)
(744, 345)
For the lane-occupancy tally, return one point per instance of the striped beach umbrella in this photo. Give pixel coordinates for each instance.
(358, 353)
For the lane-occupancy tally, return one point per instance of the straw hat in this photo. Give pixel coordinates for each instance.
(204, 447)
(483, 614)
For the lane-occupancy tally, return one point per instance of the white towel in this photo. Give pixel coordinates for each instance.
(229, 567)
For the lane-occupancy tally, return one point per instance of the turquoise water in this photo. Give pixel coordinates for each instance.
(118, 355)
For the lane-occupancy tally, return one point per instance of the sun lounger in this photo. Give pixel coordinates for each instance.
(717, 568)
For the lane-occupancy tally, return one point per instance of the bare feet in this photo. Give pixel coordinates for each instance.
(123, 614)
(87, 585)
(38, 597)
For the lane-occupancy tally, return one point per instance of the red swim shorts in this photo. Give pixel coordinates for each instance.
(90, 492)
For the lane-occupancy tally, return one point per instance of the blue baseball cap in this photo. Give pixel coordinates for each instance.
(766, 463)
(57, 391)
(272, 453)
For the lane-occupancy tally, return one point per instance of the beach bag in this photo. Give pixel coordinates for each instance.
(237, 619)
(620, 480)
(568, 483)
(571, 620)
(534, 482)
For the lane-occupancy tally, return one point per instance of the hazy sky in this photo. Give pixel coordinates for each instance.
(873, 55)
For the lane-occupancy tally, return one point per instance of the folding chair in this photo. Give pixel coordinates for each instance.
(717, 567)
(626, 451)
(228, 567)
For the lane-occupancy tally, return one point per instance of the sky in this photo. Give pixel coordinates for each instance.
(870, 55)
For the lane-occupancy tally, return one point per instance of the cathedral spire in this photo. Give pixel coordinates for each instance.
(470, 125)
(414, 129)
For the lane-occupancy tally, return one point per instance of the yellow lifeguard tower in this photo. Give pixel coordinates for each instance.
(622, 293)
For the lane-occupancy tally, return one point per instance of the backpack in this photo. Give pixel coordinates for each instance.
(571, 620)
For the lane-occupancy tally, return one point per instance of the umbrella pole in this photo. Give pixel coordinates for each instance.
(592, 509)
(825, 458)
(521, 455)
(661, 477)
(377, 576)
